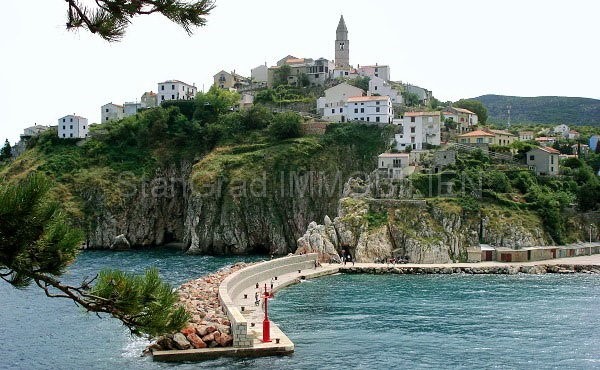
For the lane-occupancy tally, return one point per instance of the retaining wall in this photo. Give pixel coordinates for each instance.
(247, 278)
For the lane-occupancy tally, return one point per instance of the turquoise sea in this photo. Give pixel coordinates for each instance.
(337, 322)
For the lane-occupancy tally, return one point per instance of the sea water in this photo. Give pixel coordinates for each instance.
(336, 322)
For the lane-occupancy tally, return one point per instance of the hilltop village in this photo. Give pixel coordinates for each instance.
(412, 147)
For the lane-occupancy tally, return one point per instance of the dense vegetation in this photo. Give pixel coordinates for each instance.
(542, 109)
(477, 181)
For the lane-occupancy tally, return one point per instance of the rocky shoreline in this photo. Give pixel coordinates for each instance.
(209, 326)
(494, 270)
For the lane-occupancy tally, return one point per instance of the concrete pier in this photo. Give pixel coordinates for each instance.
(237, 295)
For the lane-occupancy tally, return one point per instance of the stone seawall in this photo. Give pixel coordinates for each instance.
(499, 270)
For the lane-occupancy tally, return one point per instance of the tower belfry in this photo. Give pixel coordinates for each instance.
(342, 45)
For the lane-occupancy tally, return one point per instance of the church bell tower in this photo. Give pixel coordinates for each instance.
(342, 45)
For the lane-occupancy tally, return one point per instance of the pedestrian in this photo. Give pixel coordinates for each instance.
(256, 300)
(272, 281)
(349, 258)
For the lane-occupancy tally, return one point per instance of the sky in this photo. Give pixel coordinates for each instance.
(456, 48)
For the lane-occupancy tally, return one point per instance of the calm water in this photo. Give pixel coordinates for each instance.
(337, 322)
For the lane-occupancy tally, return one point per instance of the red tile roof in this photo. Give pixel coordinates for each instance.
(476, 133)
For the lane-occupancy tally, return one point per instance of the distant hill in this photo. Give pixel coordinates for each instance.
(542, 109)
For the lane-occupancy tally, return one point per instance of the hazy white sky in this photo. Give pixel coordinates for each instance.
(456, 48)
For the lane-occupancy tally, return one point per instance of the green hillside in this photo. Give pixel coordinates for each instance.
(542, 109)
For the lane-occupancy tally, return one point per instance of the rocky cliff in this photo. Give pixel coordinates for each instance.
(426, 231)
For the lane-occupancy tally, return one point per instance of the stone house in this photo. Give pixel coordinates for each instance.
(442, 159)
(543, 161)
(331, 106)
(175, 90)
(561, 130)
(372, 109)
(375, 71)
(149, 99)
(226, 80)
(111, 112)
(73, 126)
(418, 130)
(131, 108)
(317, 71)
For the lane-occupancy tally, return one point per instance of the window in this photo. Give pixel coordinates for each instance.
(64, 127)
(362, 118)
(376, 119)
(162, 97)
(162, 87)
(106, 110)
(551, 159)
(172, 96)
(376, 69)
(412, 119)
(375, 87)
(362, 110)
(377, 103)
(368, 119)
(362, 103)
(551, 169)
(377, 109)
(71, 127)
(70, 135)
(376, 75)
(84, 127)
(333, 111)
(412, 130)
(71, 119)
(64, 135)
(532, 157)
(341, 110)
(397, 163)
(106, 118)
(355, 110)
(172, 87)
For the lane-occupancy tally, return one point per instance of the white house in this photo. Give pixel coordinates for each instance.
(259, 74)
(378, 86)
(111, 112)
(175, 90)
(393, 165)
(345, 73)
(562, 130)
(464, 118)
(418, 130)
(382, 72)
(543, 160)
(331, 106)
(131, 108)
(374, 109)
(73, 126)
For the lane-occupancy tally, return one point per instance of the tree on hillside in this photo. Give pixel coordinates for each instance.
(474, 106)
(282, 75)
(110, 18)
(37, 243)
(286, 126)
(410, 99)
(6, 151)
(215, 102)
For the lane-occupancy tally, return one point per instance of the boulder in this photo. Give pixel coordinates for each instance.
(211, 329)
(120, 244)
(196, 341)
(208, 338)
(181, 341)
(189, 330)
(202, 330)
(166, 342)
(225, 340)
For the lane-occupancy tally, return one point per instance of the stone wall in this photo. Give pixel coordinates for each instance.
(247, 278)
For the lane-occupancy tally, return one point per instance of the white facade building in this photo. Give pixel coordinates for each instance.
(72, 126)
(331, 106)
(175, 90)
(111, 112)
(418, 130)
(259, 75)
(382, 72)
(373, 109)
(393, 165)
(377, 86)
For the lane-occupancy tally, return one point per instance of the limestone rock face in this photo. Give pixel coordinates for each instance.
(120, 244)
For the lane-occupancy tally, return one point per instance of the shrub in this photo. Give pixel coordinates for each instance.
(285, 126)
